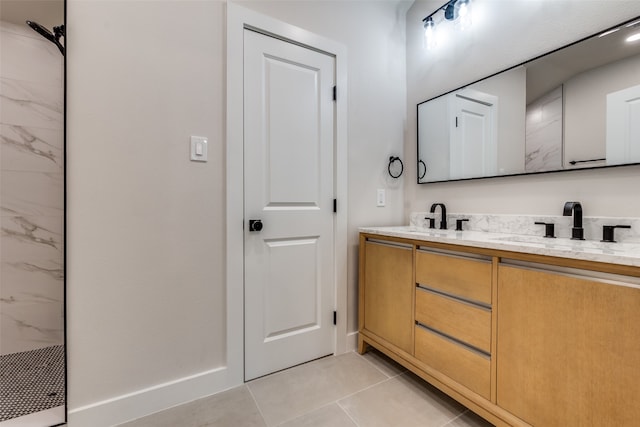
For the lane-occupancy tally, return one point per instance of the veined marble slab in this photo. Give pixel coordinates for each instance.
(588, 250)
(31, 149)
(31, 191)
(28, 56)
(31, 305)
(31, 283)
(525, 225)
(543, 147)
(25, 238)
(28, 104)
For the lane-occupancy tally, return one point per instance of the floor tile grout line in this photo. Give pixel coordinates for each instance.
(336, 401)
(363, 389)
(307, 413)
(455, 418)
(374, 365)
(255, 401)
(348, 414)
(278, 373)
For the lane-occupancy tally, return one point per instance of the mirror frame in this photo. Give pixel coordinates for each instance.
(418, 160)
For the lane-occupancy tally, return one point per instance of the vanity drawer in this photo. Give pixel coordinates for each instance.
(466, 322)
(465, 366)
(464, 277)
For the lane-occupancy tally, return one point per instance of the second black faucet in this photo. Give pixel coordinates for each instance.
(577, 232)
(443, 217)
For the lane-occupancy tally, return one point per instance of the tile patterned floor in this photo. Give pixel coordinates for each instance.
(349, 390)
(31, 381)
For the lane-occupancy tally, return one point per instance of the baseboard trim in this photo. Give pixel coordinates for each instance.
(144, 402)
(352, 341)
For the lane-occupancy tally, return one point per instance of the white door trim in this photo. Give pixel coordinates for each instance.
(238, 18)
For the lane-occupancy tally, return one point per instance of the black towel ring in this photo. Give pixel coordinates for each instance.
(420, 162)
(392, 160)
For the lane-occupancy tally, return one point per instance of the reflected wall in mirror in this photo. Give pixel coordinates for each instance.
(576, 107)
(32, 362)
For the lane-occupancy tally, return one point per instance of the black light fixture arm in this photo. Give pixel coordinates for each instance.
(449, 8)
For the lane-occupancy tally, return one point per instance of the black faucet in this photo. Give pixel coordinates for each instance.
(577, 232)
(443, 218)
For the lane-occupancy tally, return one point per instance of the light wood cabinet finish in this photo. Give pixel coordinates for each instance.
(466, 322)
(461, 364)
(388, 289)
(568, 349)
(467, 278)
(563, 347)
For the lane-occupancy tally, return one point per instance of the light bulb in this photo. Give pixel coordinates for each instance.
(464, 15)
(429, 34)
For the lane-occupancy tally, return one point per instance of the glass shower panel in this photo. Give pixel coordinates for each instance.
(32, 363)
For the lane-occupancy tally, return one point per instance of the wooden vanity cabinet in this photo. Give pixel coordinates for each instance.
(568, 350)
(387, 292)
(520, 339)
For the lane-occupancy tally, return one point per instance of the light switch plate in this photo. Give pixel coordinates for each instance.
(199, 149)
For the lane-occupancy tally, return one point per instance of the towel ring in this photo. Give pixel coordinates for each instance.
(392, 160)
(420, 162)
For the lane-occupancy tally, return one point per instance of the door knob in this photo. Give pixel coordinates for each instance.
(255, 224)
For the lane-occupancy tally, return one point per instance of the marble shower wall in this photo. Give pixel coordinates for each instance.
(31, 191)
(543, 142)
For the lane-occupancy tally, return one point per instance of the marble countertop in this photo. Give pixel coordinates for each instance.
(588, 250)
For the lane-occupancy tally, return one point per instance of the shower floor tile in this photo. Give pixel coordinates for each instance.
(31, 381)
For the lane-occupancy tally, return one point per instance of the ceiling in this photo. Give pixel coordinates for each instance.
(548, 72)
(48, 13)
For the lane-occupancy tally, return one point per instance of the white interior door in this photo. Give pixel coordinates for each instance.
(473, 150)
(289, 187)
(623, 126)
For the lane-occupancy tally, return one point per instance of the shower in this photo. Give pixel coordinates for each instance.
(32, 230)
(52, 37)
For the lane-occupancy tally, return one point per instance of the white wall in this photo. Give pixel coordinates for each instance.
(145, 288)
(504, 34)
(146, 282)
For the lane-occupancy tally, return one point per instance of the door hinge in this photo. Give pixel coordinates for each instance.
(335, 205)
(335, 93)
(335, 317)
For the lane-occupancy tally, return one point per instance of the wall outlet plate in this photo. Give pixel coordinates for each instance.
(380, 199)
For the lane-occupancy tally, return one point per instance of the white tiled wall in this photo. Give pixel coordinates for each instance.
(31, 191)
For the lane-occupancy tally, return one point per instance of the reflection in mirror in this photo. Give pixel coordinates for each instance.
(572, 108)
(32, 362)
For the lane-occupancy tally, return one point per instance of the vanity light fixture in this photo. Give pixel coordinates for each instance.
(453, 10)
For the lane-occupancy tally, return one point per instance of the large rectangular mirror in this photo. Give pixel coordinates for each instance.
(573, 108)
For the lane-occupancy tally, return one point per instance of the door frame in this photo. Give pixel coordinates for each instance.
(239, 18)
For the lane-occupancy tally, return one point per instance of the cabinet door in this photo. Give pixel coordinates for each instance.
(568, 349)
(388, 293)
